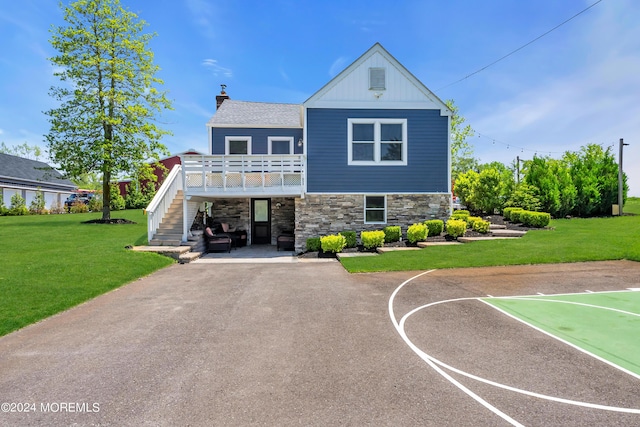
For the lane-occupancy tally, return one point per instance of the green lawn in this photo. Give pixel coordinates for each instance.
(569, 240)
(53, 262)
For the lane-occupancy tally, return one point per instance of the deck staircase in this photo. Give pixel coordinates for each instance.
(169, 232)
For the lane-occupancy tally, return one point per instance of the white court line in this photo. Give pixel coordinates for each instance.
(431, 361)
(434, 366)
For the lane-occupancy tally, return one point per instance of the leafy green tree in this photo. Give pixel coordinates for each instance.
(24, 150)
(524, 196)
(88, 181)
(465, 188)
(595, 173)
(554, 187)
(489, 192)
(462, 158)
(110, 96)
(117, 202)
(18, 205)
(37, 206)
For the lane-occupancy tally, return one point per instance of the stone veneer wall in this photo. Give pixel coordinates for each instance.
(282, 219)
(318, 215)
(235, 212)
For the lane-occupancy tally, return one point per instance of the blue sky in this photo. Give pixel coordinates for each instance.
(579, 84)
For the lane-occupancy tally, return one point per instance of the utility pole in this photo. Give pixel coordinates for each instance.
(620, 188)
(518, 169)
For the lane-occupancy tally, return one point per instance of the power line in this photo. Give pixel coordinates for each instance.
(520, 48)
(519, 149)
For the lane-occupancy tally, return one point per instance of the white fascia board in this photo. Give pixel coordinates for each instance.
(396, 105)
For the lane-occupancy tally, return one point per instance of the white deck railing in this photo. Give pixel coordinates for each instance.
(163, 199)
(276, 174)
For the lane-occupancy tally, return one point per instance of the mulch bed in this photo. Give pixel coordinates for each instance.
(443, 237)
(109, 221)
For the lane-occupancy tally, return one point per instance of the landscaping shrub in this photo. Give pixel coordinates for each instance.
(117, 201)
(350, 236)
(95, 204)
(372, 239)
(18, 206)
(456, 228)
(57, 208)
(506, 213)
(333, 243)
(79, 207)
(313, 244)
(460, 214)
(434, 227)
(481, 226)
(535, 219)
(472, 220)
(417, 233)
(392, 233)
(37, 206)
(515, 215)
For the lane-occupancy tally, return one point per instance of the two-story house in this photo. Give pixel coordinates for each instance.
(369, 149)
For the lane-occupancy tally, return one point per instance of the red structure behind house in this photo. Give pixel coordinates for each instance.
(168, 163)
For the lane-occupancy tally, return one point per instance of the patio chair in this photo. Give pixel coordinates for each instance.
(217, 241)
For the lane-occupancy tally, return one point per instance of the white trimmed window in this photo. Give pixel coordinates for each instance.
(377, 142)
(239, 145)
(280, 144)
(375, 209)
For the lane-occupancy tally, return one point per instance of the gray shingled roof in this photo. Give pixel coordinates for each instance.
(18, 169)
(257, 114)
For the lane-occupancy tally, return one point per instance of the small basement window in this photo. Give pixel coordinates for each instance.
(375, 209)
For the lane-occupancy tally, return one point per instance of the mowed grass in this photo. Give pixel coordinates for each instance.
(568, 240)
(54, 262)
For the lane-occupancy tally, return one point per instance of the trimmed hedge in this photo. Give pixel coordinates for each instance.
(434, 227)
(456, 228)
(460, 214)
(417, 233)
(472, 220)
(313, 244)
(481, 226)
(372, 239)
(535, 219)
(333, 243)
(351, 238)
(506, 212)
(392, 233)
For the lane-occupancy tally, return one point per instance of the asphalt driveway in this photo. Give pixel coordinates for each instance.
(275, 345)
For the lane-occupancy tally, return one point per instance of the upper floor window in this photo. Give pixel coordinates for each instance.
(377, 141)
(280, 144)
(237, 145)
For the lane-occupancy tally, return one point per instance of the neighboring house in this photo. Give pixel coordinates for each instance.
(371, 148)
(159, 171)
(26, 177)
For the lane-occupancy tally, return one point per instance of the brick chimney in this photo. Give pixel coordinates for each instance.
(220, 98)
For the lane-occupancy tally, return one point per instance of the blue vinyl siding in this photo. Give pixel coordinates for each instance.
(427, 157)
(259, 138)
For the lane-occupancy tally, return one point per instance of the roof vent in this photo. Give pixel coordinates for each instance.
(377, 79)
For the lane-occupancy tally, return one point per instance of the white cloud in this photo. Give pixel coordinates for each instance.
(202, 12)
(217, 69)
(338, 65)
(595, 102)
